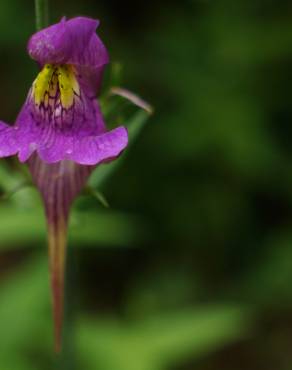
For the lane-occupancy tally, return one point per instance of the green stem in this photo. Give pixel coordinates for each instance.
(41, 13)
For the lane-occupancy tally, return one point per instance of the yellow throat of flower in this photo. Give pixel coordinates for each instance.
(53, 79)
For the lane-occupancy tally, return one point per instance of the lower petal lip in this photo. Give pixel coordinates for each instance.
(90, 150)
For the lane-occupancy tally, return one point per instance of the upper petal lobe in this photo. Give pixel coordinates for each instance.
(69, 42)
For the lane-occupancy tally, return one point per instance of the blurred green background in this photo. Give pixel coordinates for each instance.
(191, 266)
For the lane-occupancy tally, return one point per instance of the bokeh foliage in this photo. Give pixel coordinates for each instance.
(191, 266)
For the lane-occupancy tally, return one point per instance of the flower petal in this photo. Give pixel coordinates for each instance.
(52, 129)
(84, 146)
(27, 133)
(87, 150)
(86, 47)
(8, 140)
(69, 42)
(92, 150)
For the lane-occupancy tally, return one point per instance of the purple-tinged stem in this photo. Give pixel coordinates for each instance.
(59, 184)
(57, 240)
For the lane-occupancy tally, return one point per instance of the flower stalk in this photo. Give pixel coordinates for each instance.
(41, 13)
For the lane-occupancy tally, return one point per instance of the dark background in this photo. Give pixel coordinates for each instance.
(191, 267)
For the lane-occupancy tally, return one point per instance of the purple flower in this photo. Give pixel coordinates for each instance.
(61, 118)
(60, 131)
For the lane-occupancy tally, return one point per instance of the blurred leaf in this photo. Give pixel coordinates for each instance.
(116, 74)
(160, 342)
(16, 189)
(106, 228)
(269, 280)
(22, 227)
(103, 172)
(9, 179)
(24, 314)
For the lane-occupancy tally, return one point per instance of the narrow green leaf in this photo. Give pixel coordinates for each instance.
(97, 195)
